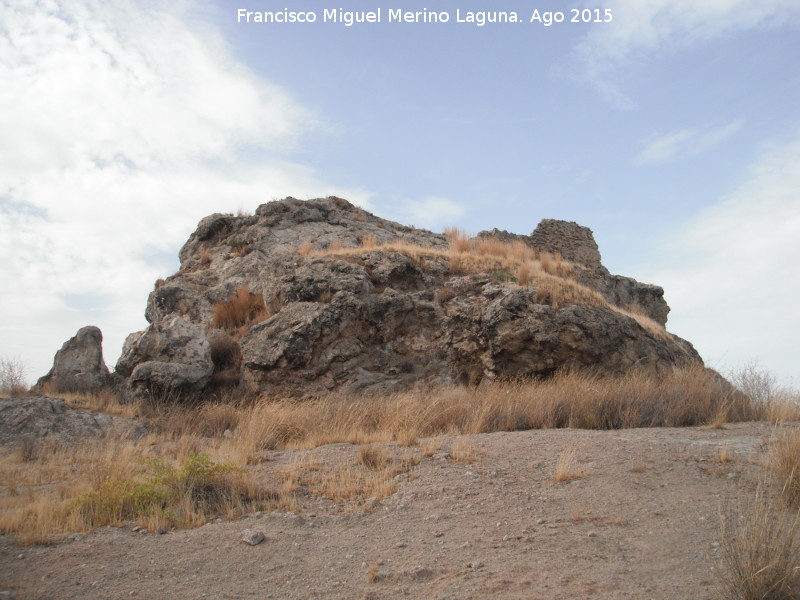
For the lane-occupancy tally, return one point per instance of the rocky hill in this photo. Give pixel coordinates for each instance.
(305, 297)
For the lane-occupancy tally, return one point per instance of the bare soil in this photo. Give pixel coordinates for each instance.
(642, 522)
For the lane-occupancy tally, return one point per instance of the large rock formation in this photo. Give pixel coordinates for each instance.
(306, 297)
(79, 365)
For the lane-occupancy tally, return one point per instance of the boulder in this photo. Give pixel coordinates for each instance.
(78, 366)
(170, 358)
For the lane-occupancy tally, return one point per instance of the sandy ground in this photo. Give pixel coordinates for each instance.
(643, 522)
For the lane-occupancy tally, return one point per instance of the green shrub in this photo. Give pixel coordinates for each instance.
(185, 494)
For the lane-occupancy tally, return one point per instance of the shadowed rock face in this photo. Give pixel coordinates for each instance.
(79, 365)
(253, 303)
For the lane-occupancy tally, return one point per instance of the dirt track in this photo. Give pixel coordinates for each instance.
(642, 523)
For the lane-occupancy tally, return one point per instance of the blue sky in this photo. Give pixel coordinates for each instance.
(672, 131)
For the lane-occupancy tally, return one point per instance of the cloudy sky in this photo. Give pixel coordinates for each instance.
(673, 131)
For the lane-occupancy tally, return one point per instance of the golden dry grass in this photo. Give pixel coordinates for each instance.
(567, 468)
(242, 310)
(760, 550)
(463, 451)
(784, 461)
(691, 396)
(72, 489)
(41, 481)
(550, 275)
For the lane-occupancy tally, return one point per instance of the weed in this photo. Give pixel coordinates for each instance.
(760, 549)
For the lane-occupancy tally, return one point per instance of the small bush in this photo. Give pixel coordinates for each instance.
(12, 378)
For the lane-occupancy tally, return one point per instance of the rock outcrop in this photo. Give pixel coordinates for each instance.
(79, 365)
(305, 297)
(24, 420)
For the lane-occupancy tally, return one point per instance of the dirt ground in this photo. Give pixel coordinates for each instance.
(642, 522)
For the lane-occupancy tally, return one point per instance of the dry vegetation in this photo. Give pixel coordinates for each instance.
(196, 466)
(761, 536)
(242, 310)
(551, 278)
(12, 378)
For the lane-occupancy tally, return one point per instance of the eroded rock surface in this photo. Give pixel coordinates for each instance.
(301, 299)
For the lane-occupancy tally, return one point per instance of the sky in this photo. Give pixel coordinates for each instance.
(671, 128)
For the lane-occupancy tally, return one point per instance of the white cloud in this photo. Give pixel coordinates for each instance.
(685, 143)
(121, 125)
(730, 274)
(429, 212)
(642, 29)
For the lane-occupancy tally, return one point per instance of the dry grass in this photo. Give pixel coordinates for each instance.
(204, 256)
(776, 403)
(550, 275)
(463, 451)
(55, 490)
(761, 551)
(567, 468)
(372, 477)
(681, 398)
(784, 461)
(12, 378)
(724, 454)
(41, 481)
(243, 310)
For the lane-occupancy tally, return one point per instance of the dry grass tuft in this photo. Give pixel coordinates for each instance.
(463, 451)
(372, 478)
(373, 457)
(784, 461)
(761, 552)
(204, 255)
(243, 309)
(724, 454)
(567, 468)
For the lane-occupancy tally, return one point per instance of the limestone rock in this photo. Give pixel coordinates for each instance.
(301, 299)
(78, 365)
